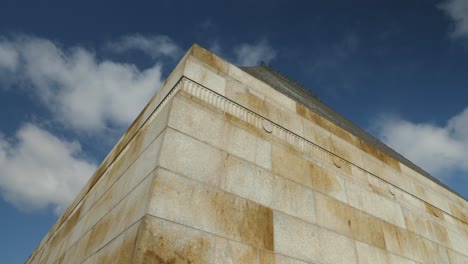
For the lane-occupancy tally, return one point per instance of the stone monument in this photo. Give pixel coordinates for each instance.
(241, 165)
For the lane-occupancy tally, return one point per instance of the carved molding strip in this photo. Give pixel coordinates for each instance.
(258, 121)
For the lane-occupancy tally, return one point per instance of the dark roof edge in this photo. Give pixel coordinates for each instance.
(282, 84)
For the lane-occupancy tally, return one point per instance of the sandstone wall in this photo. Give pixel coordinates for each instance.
(221, 168)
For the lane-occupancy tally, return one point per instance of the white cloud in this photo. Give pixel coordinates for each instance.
(8, 57)
(82, 92)
(441, 150)
(38, 169)
(457, 10)
(253, 54)
(155, 46)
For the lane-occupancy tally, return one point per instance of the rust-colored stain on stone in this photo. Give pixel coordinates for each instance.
(247, 126)
(322, 180)
(266, 257)
(161, 243)
(289, 164)
(97, 236)
(71, 222)
(308, 114)
(366, 147)
(255, 103)
(345, 135)
(458, 213)
(246, 221)
(350, 221)
(212, 210)
(438, 231)
(408, 244)
(122, 253)
(210, 59)
(434, 211)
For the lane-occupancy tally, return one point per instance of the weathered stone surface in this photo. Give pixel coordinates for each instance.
(459, 241)
(305, 241)
(371, 255)
(221, 167)
(349, 221)
(243, 144)
(262, 186)
(423, 226)
(116, 221)
(120, 250)
(374, 204)
(405, 243)
(316, 134)
(291, 165)
(213, 128)
(205, 76)
(266, 257)
(201, 123)
(346, 151)
(190, 157)
(456, 258)
(191, 203)
(162, 241)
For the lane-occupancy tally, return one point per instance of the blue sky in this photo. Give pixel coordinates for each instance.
(74, 75)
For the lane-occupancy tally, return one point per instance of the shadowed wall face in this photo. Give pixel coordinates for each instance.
(222, 168)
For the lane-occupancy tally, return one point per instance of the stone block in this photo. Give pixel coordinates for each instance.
(197, 121)
(261, 186)
(265, 106)
(343, 219)
(119, 250)
(124, 215)
(144, 164)
(437, 200)
(140, 169)
(457, 258)
(374, 204)
(192, 158)
(383, 171)
(316, 134)
(162, 241)
(210, 59)
(459, 241)
(262, 88)
(292, 165)
(346, 151)
(308, 242)
(125, 161)
(242, 143)
(458, 212)
(228, 251)
(204, 76)
(194, 204)
(425, 227)
(409, 245)
(371, 255)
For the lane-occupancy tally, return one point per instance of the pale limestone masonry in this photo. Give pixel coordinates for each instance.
(222, 168)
